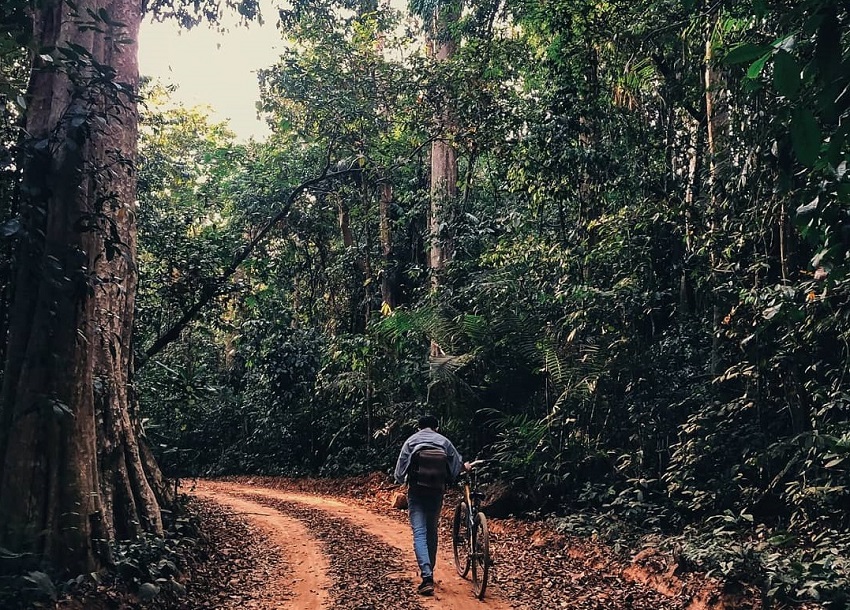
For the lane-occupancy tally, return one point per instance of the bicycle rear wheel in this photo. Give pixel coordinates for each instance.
(460, 538)
(480, 556)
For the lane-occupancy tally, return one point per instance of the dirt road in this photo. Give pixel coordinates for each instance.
(314, 545)
(339, 555)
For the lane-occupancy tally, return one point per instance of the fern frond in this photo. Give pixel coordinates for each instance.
(475, 328)
(555, 367)
(449, 365)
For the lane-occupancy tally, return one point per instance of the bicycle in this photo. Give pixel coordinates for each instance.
(470, 537)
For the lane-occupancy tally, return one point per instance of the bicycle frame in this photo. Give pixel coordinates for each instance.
(470, 537)
(473, 502)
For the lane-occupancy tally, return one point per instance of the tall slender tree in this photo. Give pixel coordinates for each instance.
(717, 124)
(442, 46)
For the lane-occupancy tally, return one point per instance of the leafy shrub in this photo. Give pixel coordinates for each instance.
(150, 567)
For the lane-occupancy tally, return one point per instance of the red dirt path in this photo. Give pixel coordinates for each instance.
(344, 548)
(306, 587)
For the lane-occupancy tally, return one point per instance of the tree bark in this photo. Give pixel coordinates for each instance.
(444, 171)
(388, 271)
(70, 469)
(692, 195)
(717, 115)
(443, 192)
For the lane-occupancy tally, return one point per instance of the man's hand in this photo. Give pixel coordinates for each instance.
(472, 465)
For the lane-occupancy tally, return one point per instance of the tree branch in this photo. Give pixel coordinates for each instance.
(677, 88)
(214, 288)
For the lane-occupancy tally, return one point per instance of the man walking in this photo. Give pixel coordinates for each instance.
(428, 461)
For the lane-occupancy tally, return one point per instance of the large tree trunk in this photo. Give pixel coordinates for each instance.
(70, 469)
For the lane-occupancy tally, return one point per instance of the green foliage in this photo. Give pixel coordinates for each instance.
(640, 324)
(151, 565)
(149, 568)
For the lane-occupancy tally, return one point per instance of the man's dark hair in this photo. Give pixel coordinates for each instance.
(428, 421)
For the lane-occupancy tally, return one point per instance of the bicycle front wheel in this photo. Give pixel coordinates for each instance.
(460, 538)
(480, 556)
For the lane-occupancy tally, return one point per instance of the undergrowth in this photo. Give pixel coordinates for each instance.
(144, 573)
(788, 565)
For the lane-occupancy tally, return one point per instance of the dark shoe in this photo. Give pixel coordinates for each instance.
(427, 586)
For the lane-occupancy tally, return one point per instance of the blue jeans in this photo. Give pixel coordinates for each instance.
(424, 513)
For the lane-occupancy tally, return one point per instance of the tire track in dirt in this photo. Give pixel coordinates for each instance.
(452, 593)
(302, 584)
(366, 572)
